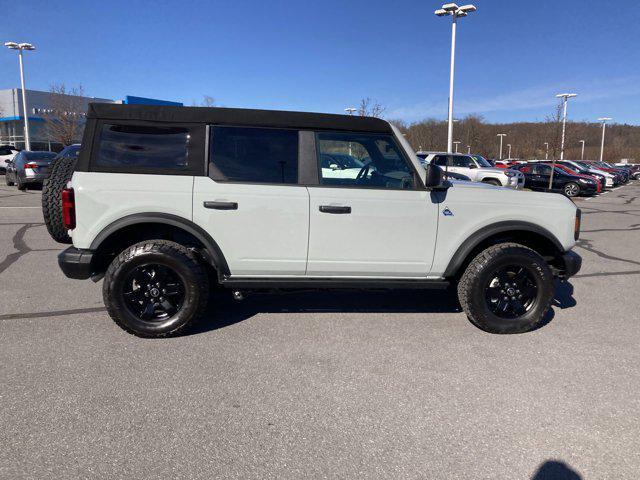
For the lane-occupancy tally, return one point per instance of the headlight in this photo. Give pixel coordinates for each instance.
(585, 180)
(510, 174)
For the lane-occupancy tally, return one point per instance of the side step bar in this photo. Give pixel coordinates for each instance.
(331, 283)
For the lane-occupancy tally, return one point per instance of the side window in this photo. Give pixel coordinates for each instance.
(146, 149)
(462, 161)
(254, 155)
(440, 160)
(363, 160)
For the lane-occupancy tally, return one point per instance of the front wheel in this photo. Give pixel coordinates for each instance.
(7, 181)
(155, 289)
(506, 288)
(492, 181)
(572, 189)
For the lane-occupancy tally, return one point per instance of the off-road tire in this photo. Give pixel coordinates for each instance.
(471, 288)
(571, 194)
(61, 172)
(492, 181)
(182, 261)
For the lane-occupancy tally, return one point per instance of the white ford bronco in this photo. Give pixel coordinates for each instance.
(475, 168)
(168, 203)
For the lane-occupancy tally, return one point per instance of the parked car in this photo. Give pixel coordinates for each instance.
(566, 169)
(612, 179)
(167, 202)
(577, 169)
(7, 152)
(537, 177)
(475, 167)
(29, 168)
(624, 175)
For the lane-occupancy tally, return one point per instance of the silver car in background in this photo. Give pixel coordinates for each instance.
(28, 169)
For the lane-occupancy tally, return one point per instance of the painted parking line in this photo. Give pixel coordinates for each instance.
(22, 207)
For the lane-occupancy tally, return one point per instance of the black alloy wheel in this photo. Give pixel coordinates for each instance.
(511, 291)
(153, 292)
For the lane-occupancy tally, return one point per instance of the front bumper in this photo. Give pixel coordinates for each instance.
(568, 265)
(76, 263)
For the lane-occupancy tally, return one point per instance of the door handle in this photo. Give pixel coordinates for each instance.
(334, 209)
(221, 205)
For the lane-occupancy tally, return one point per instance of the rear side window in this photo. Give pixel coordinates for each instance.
(254, 155)
(131, 148)
(440, 160)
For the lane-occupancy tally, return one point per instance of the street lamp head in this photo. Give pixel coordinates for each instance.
(604, 119)
(450, 7)
(11, 45)
(566, 95)
(441, 13)
(26, 46)
(501, 135)
(468, 8)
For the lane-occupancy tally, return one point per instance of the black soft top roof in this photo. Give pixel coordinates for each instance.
(237, 116)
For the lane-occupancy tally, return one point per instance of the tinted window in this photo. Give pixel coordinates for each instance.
(440, 160)
(137, 147)
(375, 161)
(461, 161)
(254, 155)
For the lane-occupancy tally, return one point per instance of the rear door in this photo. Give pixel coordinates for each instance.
(251, 202)
(382, 223)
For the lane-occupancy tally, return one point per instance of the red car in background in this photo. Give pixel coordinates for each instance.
(573, 172)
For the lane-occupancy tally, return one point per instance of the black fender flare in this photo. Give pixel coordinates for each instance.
(214, 253)
(482, 234)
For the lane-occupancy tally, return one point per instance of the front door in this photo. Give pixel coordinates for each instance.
(378, 222)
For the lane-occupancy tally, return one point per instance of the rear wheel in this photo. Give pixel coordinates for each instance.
(6, 179)
(572, 189)
(156, 288)
(61, 173)
(507, 288)
(21, 186)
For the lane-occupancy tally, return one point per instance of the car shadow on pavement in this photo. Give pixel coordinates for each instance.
(223, 311)
(556, 470)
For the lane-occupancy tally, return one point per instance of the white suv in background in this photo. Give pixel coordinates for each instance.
(475, 167)
(7, 152)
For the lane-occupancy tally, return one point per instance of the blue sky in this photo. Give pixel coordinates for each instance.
(512, 57)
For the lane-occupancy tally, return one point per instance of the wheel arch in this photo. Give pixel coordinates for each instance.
(160, 222)
(529, 234)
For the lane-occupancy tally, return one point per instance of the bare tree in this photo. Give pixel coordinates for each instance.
(207, 101)
(370, 108)
(64, 121)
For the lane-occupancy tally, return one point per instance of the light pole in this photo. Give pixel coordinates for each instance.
(501, 135)
(455, 12)
(456, 144)
(604, 126)
(564, 97)
(509, 147)
(582, 153)
(468, 149)
(20, 47)
(350, 110)
(546, 154)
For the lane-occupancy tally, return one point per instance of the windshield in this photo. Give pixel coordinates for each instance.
(483, 162)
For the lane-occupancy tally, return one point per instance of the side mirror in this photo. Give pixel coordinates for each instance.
(473, 165)
(434, 176)
(334, 166)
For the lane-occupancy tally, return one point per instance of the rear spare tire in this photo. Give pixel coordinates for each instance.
(61, 173)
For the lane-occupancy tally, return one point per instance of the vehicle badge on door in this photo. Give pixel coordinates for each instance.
(446, 212)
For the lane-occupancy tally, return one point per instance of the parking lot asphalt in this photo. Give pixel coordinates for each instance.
(321, 384)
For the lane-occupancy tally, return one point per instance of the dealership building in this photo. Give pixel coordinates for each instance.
(39, 104)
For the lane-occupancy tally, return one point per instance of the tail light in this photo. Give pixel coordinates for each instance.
(31, 165)
(68, 209)
(576, 227)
